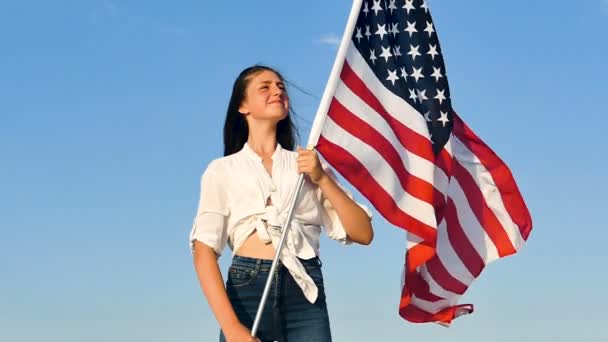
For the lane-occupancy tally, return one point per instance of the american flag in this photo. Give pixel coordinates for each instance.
(392, 133)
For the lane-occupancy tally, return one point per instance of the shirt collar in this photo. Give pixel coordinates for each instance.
(251, 153)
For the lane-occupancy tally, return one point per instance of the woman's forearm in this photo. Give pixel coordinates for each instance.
(356, 223)
(212, 283)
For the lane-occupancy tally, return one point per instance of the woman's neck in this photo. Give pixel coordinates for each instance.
(263, 142)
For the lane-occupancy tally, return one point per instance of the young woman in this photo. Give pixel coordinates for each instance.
(244, 200)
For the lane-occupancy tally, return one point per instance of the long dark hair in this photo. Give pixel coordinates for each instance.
(236, 130)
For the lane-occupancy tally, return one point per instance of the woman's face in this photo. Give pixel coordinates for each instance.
(265, 98)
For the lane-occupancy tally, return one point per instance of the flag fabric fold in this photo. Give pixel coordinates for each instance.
(391, 132)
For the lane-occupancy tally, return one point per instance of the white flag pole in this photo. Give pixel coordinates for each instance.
(334, 76)
(315, 132)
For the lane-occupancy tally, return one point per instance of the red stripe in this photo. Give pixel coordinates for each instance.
(411, 140)
(413, 185)
(484, 214)
(442, 277)
(357, 175)
(416, 314)
(460, 243)
(414, 281)
(502, 176)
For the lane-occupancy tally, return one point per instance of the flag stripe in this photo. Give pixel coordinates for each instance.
(356, 174)
(513, 203)
(417, 166)
(414, 186)
(476, 202)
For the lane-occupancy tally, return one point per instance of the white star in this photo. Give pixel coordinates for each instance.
(367, 32)
(440, 96)
(427, 116)
(409, 6)
(376, 7)
(422, 95)
(413, 95)
(392, 76)
(414, 51)
(395, 29)
(404, 73)
(443, 118)
(411, 28)
(365, 9)
(359, 35)
(372, 56)
(381, 31)
(397, 50)
(386, 53)
(392, 6)
(429, 28)
(425, 6)
(436, 73)
(417, 74)
(432, 51)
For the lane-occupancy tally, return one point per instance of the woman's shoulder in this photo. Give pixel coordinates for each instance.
(221, 165)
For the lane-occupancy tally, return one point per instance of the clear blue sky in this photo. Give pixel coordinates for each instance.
(111, 109)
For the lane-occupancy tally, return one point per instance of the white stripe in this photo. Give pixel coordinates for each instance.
(414, 164)
(448, 257)
(473, 230)
(412, 240)
(430, 307)
(485, 182)
(436, 289)
(381, 172)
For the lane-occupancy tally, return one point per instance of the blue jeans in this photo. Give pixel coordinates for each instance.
(288, 316)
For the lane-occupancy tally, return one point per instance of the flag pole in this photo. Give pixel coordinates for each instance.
(313, 138)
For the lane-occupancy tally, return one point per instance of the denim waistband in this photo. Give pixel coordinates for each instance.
(263, 265)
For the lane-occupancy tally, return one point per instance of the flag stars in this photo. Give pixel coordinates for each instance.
(411, 28)
(395, 29)
(386, 53)
(397, 50)
(425, 6)
(413, 95)
(372, 56)
(421, 95)
(429, 28)
(376, 7)
(414, 51)
(437, 74)
(358, 35)
(427, 116)
(368, 33)
(417, 74)
(432, 51)
(392, 6)
(409, 6)
(381, 31)
(440, 96)
(404, 73)
(365, 8)
(392, 76)
(443, 118)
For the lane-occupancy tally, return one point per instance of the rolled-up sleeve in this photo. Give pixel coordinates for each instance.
(210, 222)
(329, 217)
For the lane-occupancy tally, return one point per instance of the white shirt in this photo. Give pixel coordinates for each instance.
(234, 193)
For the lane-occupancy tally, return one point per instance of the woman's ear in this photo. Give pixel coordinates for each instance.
(243, 110)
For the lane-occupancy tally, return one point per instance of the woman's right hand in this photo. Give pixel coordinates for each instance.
(239, 333)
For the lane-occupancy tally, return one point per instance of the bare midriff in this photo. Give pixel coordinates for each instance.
(253, 247)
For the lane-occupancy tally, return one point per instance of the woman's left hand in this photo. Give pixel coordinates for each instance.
(308, 163)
